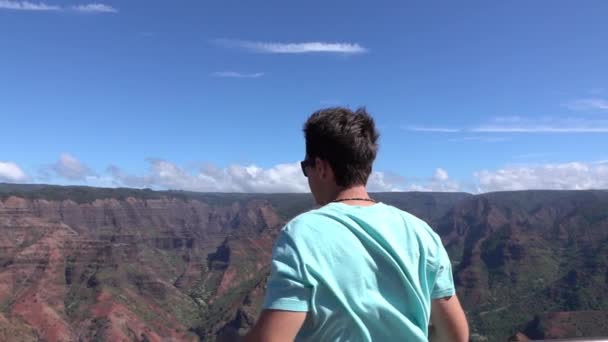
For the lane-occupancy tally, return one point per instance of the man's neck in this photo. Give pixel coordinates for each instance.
(358, 191)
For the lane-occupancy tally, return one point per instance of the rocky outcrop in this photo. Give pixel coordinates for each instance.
(569, 324)
(120, 264)
(125, 269)
(518, 254)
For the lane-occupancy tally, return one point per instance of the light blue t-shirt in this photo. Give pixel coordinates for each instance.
(363, 273)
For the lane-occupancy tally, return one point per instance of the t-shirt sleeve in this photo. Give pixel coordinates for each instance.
(287, 288)
(444, 281)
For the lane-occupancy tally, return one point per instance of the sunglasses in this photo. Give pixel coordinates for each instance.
(306, 163)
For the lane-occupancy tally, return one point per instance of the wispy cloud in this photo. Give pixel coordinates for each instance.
(596, 91)
(588, 104)
(234, 74)
(532, 155)
(94, 8)
(543, 125)
(331, 102)
(517, 124)
(432, 129)
(41, 6)
(540, 129)
(488, 139)
(27, 6)
(294, 48)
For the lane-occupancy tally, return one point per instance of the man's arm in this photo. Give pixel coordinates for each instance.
(276, 326)
(448, 320)
(287, 296)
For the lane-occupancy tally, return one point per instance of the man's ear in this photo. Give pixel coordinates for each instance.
(321, 167)
(325, 170)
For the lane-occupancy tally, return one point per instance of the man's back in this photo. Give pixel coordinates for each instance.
(363, 273)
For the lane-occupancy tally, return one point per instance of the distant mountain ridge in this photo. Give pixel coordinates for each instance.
(105, 264)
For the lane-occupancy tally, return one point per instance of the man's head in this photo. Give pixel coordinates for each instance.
(341, 146)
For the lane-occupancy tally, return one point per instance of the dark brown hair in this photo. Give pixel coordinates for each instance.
(347, 140)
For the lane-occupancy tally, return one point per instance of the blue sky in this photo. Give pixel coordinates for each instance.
(211, 95)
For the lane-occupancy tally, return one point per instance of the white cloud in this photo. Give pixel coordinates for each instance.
(588, 104)
(436, 187)
(235, 178)
(439, 181)
(385, 182)
(295, 48)
(94, 8)
(234, 74)
(41, 6)
(551, 176)
(251, 178)
(163, 174)
(11, 172)
(71, 168)
(573, 176)
(27, 6)
(441, 175)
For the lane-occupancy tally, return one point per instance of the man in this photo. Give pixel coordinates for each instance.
(354, 269)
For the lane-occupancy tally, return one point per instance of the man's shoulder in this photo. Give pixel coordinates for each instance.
(317, 220)
(420, 226)
(304, 221)
(407, 217)
(329, 214)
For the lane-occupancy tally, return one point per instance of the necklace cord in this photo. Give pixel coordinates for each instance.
(353, 199)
